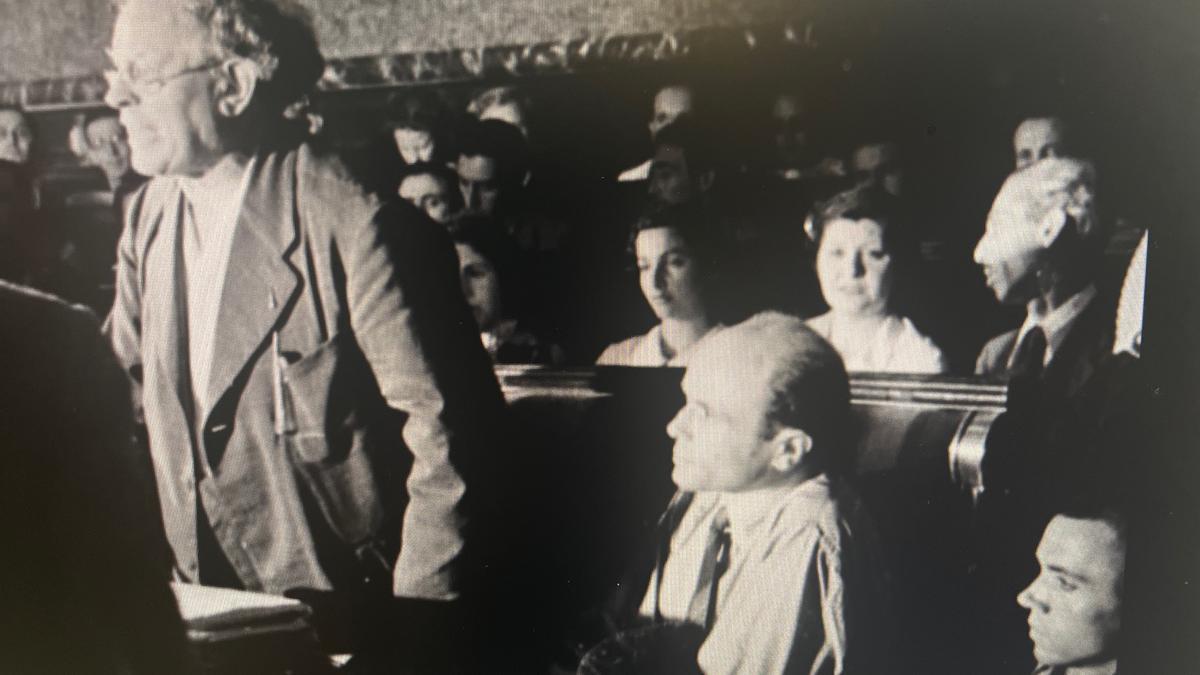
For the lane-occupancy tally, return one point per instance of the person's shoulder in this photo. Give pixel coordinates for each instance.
(628, 352)
(992, 358)
(914, 351)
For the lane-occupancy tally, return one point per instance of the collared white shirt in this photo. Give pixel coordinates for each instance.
(646, 351)
(1129, 308)
(208, 223)
(636, 173)
(1055, 324)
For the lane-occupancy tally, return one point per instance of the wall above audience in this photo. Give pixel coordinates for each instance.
(51, 50)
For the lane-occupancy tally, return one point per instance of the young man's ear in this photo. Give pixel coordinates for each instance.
(792, 447)
(236, 87)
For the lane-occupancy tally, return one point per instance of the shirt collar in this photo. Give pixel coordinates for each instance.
(209, 195)
(750, 511)
(1057, 323)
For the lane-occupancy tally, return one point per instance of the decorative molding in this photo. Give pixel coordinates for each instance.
(497, 63)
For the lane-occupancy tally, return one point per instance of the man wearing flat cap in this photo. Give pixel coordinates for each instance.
(314, 393)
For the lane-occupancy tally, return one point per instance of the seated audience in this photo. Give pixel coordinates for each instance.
(678, 253)
(431, 188)
(488, 263)
(864, 251)
(1041, 249)
(1037, 138)
(671, 102)
(1075, 602)
(878, 165)
(767, 555)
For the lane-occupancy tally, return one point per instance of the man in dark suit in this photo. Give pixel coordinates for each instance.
(1041, 249)
(86, 566)
(302, 352)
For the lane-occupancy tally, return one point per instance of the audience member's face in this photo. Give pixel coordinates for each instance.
(479, 181)
(1075, 602)
(668, 275)
(1009, 251)
(428, 193)
(1037, 138)
(414, 145)
(670, 180)
(108, 146)
(169, 113)
(878, 164)
(854, 267)
(480, 285)
(669, 104)
(721, 433)
(790, 137)
(16, 138)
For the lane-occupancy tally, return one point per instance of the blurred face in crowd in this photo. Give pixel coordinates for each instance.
(108, 146)
(479, 181)
(1009, 251)
(1037, 138)
(790, 137)
(428, 193)
(669, 104)
(16, 137)
(1075, 602)
(162, 83)
(722, 439)
(854, 267)
(480, 285)
(668, 274)
(415, 145)
(670, 179)
(878, 164)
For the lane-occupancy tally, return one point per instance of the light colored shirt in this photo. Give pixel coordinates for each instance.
(896, 347)
(1055, 324)
(790, 601)
(643, 351)
(209, 220)
(1128, 336)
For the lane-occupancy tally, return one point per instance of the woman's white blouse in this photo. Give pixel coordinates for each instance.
(896, 347)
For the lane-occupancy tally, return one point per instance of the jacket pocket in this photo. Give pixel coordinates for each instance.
(343, 440)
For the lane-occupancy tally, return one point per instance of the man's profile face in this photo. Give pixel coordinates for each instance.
(720, 433)
(16, 138)
(479, 181)
(670, 181)
(1075, 602)
(1009, 251)
(1037, 138)
(669, 104)
(168, 112)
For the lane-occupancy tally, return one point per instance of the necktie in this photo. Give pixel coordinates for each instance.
(702, 608)
(1030, 354)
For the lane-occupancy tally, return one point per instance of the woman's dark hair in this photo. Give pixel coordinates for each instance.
(489, 239)
(708, 240)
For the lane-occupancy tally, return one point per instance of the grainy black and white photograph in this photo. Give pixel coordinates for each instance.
(608, 337)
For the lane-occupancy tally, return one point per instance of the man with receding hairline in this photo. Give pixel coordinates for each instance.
(302, 351)
(770, 555)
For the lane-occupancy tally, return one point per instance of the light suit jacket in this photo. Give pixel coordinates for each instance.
(346, 367)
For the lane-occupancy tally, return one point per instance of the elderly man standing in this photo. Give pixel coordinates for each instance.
(298, 347)
(770, 556)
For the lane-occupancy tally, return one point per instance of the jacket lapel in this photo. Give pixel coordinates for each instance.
(260, 281)
(165, 315)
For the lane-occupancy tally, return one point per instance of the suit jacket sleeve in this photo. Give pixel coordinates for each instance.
(123, 325)
(413, 325)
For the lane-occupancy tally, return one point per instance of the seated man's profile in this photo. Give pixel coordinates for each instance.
(1075, 602)
(770, 558)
